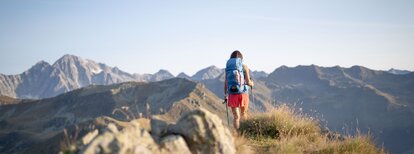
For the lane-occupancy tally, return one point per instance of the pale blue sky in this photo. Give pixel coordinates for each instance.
(185, 36)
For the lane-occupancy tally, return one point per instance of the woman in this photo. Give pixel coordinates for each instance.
(236, 86)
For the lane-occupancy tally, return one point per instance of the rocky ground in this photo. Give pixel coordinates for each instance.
(198, 131)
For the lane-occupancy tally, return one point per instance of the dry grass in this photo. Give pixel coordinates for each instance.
(357, 144)
(285, 131)
(144, 123)
(280, 122)
(242, 145)
(68, 145)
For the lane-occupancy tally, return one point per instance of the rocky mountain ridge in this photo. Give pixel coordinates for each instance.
(71, 72)
(68, 73)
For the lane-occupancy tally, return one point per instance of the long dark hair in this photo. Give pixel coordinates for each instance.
(236, 54)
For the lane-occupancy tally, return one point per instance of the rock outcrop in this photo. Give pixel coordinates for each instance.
(174, 144)
(132, 139)
(198, 131)
(204, 133)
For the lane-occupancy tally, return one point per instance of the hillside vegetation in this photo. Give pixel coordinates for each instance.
(283, 130)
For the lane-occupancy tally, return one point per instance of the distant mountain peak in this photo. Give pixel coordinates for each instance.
(312, 66)
(398, 71)
(162, 74)
(39, 66)
(42, 63)
(283, 67)
(259, 74)
(67, 59)
(69, 56)
(210, 72)
(212, 67)
(359, 67)
(163, 71)
(362, 71)
(183, 75)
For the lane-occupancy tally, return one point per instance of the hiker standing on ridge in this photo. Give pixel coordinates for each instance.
(236, 86)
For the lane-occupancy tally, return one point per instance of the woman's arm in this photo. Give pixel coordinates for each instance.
(247, 76)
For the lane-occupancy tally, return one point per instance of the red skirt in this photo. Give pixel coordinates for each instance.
(238, 100)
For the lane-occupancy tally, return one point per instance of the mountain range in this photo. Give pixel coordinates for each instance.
(72, 72)
(347, 100)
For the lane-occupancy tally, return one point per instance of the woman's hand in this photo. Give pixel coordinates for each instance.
(251, 84)
(225, 98)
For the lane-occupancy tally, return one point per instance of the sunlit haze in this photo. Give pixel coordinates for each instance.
(186, 36)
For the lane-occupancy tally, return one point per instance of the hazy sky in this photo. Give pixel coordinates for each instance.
(185, 36)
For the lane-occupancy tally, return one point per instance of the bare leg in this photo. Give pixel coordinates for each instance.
(236, 116)
(243, 112)
(244, 106)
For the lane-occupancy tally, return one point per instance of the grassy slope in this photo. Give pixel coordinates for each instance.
(283, 130)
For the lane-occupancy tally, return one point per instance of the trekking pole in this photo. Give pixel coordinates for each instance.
(227, 109)
(251, 91)
(254, 105)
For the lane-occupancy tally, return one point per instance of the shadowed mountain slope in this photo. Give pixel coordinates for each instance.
(26, 126)
(352, 98)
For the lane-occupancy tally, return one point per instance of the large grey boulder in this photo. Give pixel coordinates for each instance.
(174, 144)
(198, 131)
(204, 132)
(131, 139)
(159, 127)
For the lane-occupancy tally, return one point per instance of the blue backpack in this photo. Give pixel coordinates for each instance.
(235, 76)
